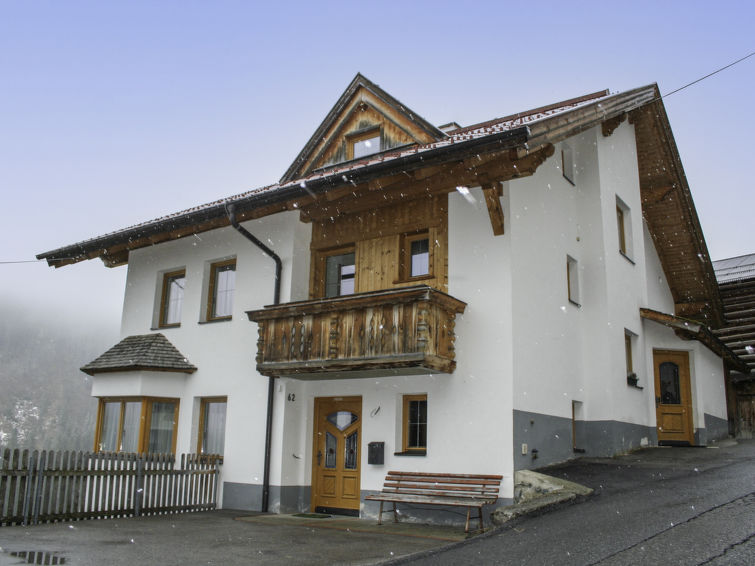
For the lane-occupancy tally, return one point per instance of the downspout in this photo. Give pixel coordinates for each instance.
(229, 208)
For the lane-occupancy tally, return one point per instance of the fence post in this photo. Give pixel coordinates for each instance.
(28, 489)
(139, 494)
(37, 501)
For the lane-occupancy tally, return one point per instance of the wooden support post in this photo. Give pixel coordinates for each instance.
(493, 192)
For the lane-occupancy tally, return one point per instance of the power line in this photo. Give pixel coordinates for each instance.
(709, 75)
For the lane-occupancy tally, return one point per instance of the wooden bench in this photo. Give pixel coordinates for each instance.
(456, 490)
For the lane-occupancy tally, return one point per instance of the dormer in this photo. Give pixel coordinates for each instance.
(366, 120)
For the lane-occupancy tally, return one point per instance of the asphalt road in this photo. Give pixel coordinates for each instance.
(685, 506)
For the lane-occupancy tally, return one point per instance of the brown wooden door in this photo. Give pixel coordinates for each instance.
(673, 397)
(336, 455)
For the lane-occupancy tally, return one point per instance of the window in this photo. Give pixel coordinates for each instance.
(366, 143)
(340, 274)
(416, 256)
(221, 289)
(628, 352)
(211, 438)
(567, 163)
(415, 423)
(624, 227)
(172, 298)
(137, 424)
(572, 280)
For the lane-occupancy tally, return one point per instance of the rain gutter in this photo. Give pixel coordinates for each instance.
(230, 210)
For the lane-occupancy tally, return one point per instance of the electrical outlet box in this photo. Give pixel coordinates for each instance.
(524, 449)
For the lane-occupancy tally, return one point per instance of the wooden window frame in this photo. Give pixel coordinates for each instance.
(214, 269)
(167, 278)
(405, 265)
(318, 283)
(405, 448)
(204, 401)
(357, 137)
(145, 418)
(628, 354)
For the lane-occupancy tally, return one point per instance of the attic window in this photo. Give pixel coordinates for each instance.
(362, 144)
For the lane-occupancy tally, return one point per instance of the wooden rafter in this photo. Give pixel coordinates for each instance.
(493, 192)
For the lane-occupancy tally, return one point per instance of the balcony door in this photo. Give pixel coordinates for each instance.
(673, 397)
(336, 455)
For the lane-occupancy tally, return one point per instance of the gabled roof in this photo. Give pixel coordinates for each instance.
(360, 91)
(492, 151)
(151, 352)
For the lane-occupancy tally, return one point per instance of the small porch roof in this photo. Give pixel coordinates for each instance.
(150, 352)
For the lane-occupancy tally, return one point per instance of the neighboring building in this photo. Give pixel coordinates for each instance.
(736, 282)
(480, 300)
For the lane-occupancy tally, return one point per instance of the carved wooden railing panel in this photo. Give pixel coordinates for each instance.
(406, 330)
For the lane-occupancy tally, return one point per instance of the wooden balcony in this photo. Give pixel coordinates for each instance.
(404, 331)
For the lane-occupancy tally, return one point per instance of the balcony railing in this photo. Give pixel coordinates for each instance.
(405, 331)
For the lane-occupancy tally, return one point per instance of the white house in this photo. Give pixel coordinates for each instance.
(477, 299)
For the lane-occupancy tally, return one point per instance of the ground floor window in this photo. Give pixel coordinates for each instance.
(415, 423)
(137, 424)
(211, 438)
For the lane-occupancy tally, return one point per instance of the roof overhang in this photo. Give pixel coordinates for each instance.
(693, 330)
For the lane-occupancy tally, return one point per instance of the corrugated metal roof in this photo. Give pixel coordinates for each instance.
(735, 268)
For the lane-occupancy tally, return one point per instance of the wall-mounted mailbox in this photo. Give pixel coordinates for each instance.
(376, 453)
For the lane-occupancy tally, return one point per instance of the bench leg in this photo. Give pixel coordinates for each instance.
(482, 527)
(395, 515)
(380, 515)
(466, 526)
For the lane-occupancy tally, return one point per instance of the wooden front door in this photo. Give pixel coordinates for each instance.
(673, 397)
(336, 455)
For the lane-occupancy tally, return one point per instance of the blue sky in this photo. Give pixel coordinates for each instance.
(112, 113)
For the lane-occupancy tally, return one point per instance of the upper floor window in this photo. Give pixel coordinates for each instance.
(340, 274)
(416, 259)
(221, 290)
(366, 143)
(624, 227)
(572, 280)
(567, 163)
(172, 298)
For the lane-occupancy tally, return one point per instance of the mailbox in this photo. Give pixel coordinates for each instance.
(375, 453)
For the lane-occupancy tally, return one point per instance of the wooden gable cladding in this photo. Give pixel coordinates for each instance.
(365, 111)
(376, 237)
(670, 213)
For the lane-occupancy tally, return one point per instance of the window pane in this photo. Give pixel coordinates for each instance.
(174, 297)
(330, 450)
(213, 435)
(111, 416)
(161, 427)
(417, 424)
(669, 378)
(420, 257)
(339, 275)
(366, 147)
(130, 435)
(225, 284)
(352, 451)
(342, 419)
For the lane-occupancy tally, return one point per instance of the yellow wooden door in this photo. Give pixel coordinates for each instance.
(336, 455)
(673, 397)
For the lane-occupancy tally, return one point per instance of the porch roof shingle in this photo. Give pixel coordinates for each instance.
(152, 352)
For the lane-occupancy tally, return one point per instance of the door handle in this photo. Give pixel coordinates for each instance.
(657, 402)
(319, 457)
